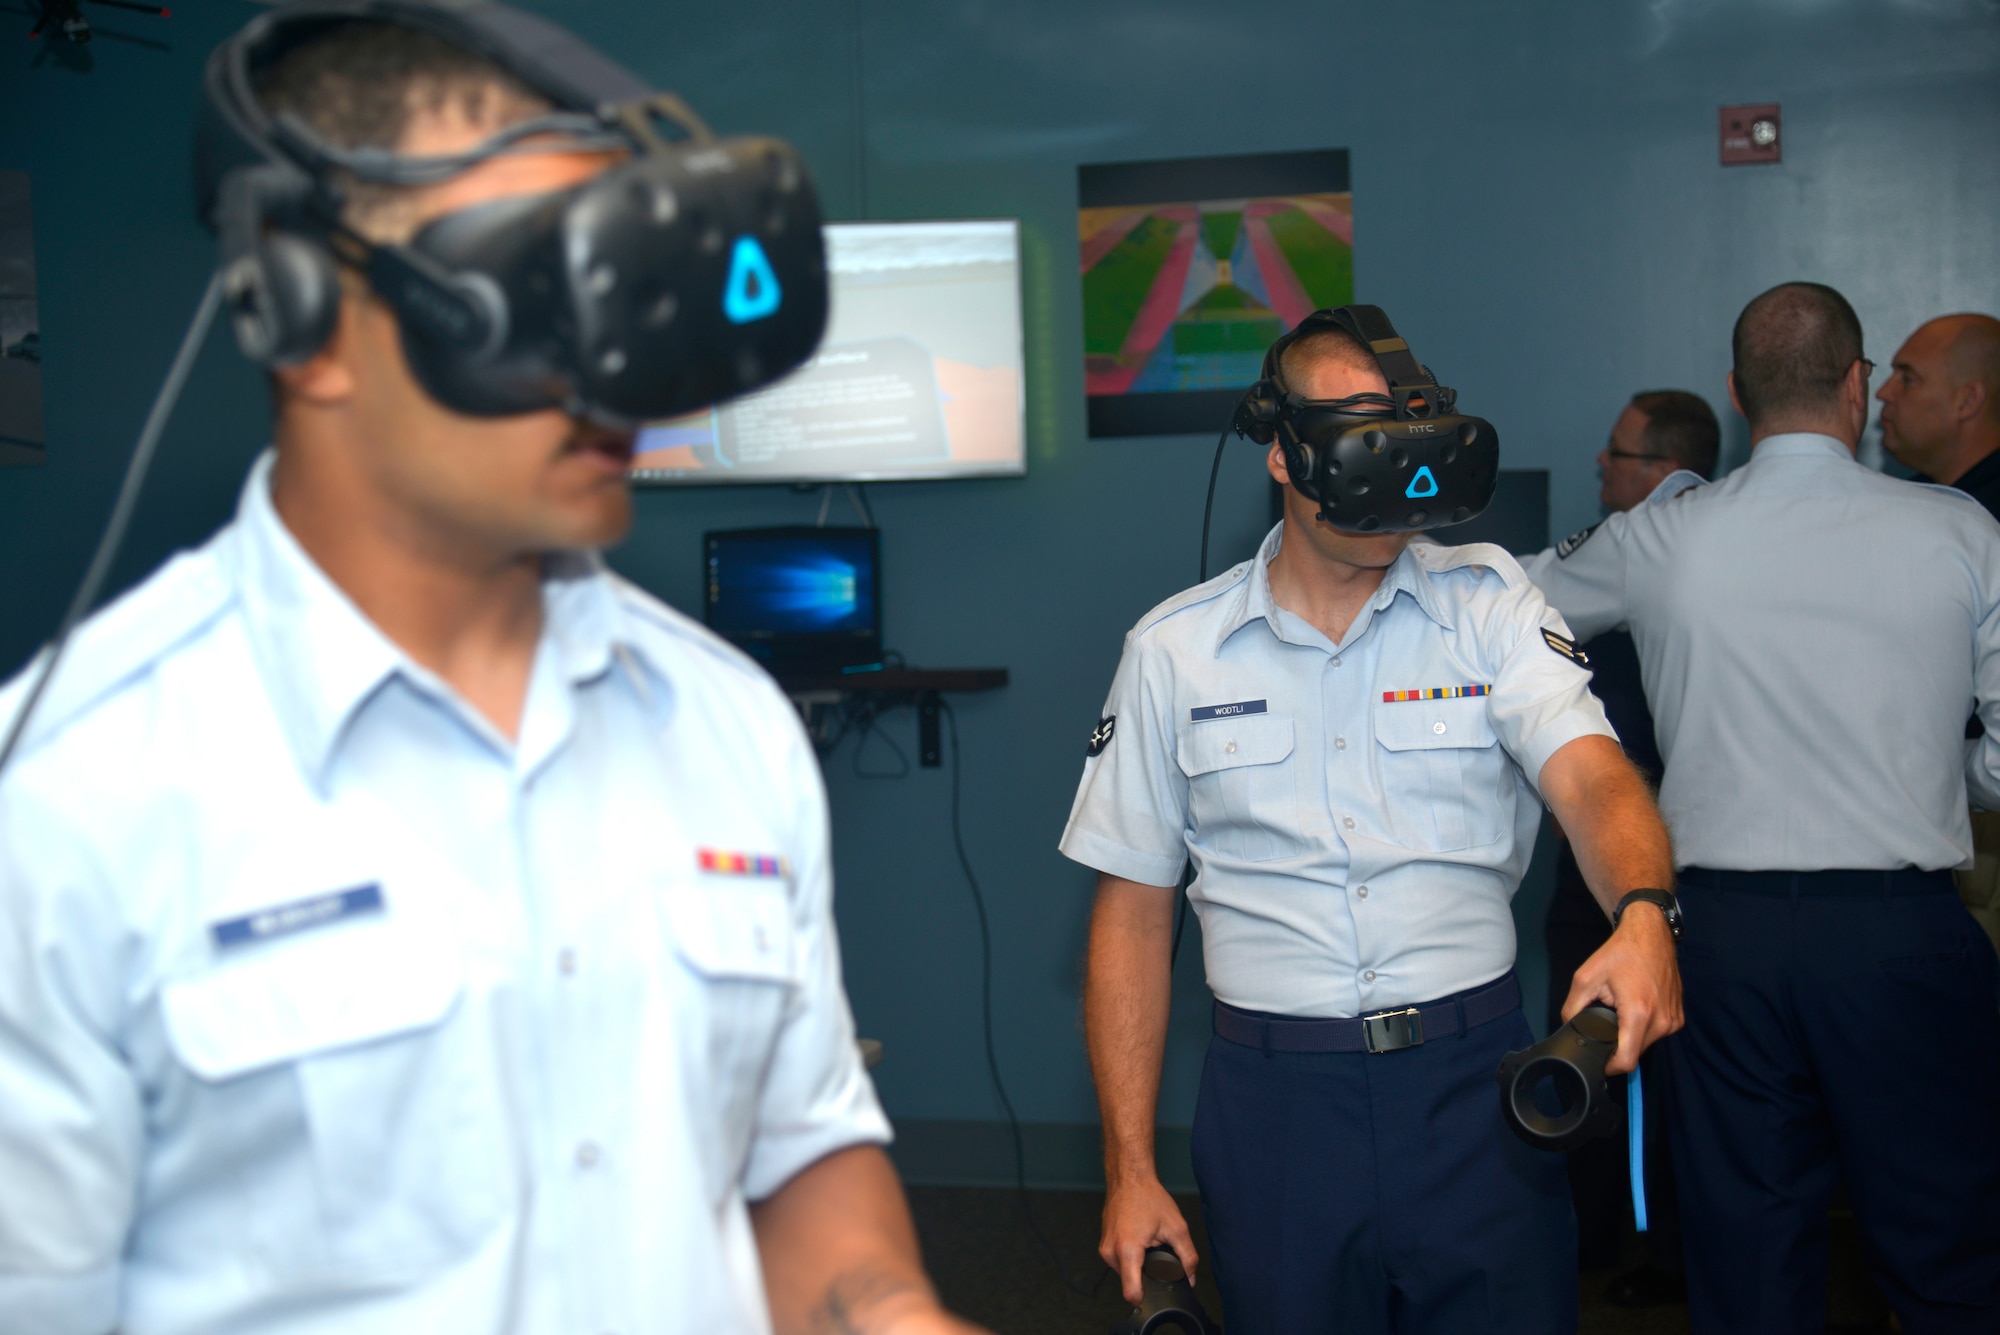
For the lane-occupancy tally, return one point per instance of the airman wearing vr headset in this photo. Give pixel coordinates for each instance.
(1350, 737)
(405, 924)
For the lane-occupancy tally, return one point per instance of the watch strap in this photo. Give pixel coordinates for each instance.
(1665, 899)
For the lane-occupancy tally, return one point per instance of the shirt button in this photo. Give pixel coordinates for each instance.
(1368, 977)
(1362, 891)
(1336, 662)
(587, 1154)
(1347, 821)
(566, 960)
(1230, 748)
(1438, 727)
(1340, 743)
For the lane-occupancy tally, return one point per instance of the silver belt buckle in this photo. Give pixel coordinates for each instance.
(1388, 1031)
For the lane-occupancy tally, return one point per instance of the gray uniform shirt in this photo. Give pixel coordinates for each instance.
(1812, 636)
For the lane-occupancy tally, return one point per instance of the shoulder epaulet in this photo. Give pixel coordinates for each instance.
(1436, 558)
(121, 642)
(1948, 490)
(1200, 593)
(654, 615)
(1675, 484)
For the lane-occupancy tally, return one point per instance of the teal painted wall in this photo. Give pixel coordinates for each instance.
(1538, 204)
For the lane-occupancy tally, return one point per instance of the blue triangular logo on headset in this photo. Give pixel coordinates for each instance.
(1422, 479)
(752, 291)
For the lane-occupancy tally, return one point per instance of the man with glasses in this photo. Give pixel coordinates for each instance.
(1812, 635)
(1661, 434)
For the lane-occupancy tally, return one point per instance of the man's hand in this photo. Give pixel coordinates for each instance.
(1636, 974)
(1127, 990)
(1620, 845)
(840, 1254)
(1138, 1215)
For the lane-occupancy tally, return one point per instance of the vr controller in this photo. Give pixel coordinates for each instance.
(1573, 1059)
(1168, 1305)
(687, 273)
(1395, 463)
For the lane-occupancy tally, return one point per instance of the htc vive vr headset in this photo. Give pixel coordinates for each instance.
(1377, 463)
(687, 272)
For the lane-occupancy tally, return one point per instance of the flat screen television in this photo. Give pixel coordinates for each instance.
(920, 375)
(802, 601)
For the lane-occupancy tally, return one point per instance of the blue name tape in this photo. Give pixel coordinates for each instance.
(1207, 712)
(297, 916)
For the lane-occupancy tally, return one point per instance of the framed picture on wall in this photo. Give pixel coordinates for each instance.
(20, 331)
(1191, 267)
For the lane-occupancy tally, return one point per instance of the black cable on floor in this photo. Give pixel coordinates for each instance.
(986, 1013)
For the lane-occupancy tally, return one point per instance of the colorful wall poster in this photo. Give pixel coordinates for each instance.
(1191, 267)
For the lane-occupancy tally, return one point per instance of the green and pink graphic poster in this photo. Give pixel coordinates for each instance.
(1191, 267)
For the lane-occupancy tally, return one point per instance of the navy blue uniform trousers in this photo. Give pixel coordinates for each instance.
(1841, 1026)
(1381, 1192)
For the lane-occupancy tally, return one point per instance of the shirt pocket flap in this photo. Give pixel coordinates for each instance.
(1432, 725)
(736, 927)
(1252, 739)
(307, 997)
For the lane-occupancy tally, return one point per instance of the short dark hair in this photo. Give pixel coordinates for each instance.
(1328, 344)
(1681, 426)
(1793, 346)
(359, 84)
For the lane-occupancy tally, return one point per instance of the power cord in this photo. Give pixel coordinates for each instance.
(986, 1018)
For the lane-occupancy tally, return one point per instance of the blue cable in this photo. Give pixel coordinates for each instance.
(1635, 1117)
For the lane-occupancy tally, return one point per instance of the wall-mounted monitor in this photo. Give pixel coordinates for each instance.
(920, 374)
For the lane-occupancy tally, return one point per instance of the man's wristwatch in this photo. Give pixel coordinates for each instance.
(1664, 898)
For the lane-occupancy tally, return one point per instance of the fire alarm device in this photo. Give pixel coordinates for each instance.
(1751, 134)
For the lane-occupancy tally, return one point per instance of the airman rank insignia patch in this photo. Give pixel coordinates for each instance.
(739, 864)
(1100, 736)
(1575, 540)
(1565, 647)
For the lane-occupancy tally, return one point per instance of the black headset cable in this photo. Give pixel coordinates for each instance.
(121, 512)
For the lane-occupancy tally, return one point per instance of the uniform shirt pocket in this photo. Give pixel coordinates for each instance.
(1444, 776)
(401, 1109)
(1242, 793)
(735, 940)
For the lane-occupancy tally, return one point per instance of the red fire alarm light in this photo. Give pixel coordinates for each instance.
(1750, 134)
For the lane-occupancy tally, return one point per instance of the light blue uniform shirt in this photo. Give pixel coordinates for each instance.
(1812, 636)
(1352, 853)
(323, 1007)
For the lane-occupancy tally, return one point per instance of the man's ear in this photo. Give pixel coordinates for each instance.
(1856, 389)
(1968, 401)
(326, 377)
(1274, 464)
(1735, 402)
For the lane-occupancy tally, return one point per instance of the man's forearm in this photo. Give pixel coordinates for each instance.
(1127, 993)
(840, 1254)
(1607, 810)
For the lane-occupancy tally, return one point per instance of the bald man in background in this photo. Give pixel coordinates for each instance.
(1941, 416)
(1941, 405)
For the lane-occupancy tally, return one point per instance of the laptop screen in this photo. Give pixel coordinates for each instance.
(800, 600)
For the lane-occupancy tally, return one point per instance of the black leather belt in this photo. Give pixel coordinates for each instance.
(1832, 884)
(1384, 1031)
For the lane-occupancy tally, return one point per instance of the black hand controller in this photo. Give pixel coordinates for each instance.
(1168, 1305)
(1573, 1058)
